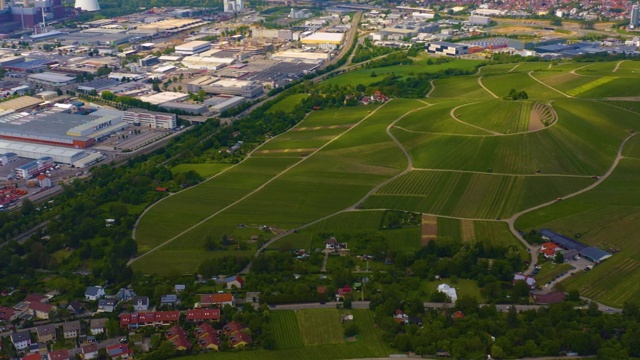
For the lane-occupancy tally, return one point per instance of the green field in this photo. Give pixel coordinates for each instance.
(548, 272)
(364, 76)
(463, 287)
(471, 195)
(320, 327)
(502, 116)
(287, 104)
(284, 325)
(484, 165)
(204, 170)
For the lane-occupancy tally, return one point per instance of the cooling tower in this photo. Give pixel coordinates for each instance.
(87, 5)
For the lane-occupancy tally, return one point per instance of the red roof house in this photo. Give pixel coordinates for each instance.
(178, 338)
(207, 300)
(199, 315)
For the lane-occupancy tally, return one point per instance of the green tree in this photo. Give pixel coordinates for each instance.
(559, 258)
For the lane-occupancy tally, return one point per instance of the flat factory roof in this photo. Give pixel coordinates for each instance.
(163, 97)
(323, 37)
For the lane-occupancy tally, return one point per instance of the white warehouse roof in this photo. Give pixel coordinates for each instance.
(35, 151)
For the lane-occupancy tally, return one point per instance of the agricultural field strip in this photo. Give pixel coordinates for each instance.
(253, 191)
(618, 107)
(452, 113)
(372, 191)
(436, 215)
(501, 174)
(484, 87)
(135, 226)
(550, 87)
(533, 250)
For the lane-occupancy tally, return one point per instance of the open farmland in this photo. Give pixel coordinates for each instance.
(284, 325)
(468, 178)
(502, 116)
(320, 326)
(287, 104)
(204, 170)
(471, 195)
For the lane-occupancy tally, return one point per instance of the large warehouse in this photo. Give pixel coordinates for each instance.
(34, 151)
(323, 40)
(447, 48)
(193, 47)
(61, 128)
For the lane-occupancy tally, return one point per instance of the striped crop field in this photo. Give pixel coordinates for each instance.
(320, 326)
(403, 240)
(459, 88)
(437, 119)
(285, 329)
(448, 227)
(495, 233)
(471, 195)
(591, 85)
(502, 116)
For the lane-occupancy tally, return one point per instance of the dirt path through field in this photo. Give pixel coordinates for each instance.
(251, 193)
(533, 250)
(433, 87)
(552, 88)
(513, 68)
(618, 65)
(429, 228)
(484, 87)
(281, 151)
(306, 128)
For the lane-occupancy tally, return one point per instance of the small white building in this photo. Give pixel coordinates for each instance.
(94, 293)
(450, 291)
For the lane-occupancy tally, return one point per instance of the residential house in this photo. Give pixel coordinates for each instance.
(97, 326)
(208, 300)
(199, 315)
(8, 314)
(180, 288)
(94, 293)
(232, 327)
(41, 310)
(141, 303)
(178, 337)
(158, 318)
(36, 298)
(62, 354)
(125, 294)
(234, 282)
(528, 279)
(38, 347)
(75, 307)
(107, 305)
(207, 337)
(240, 339)
(21, 340)
(121, 351)
(549, 250)
(32, 356)
(169, 300)
(342, 292)
(46, 333)
(71, 329)
(90, 351)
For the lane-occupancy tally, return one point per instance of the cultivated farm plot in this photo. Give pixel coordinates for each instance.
(355, 221)
(364, 76)
(403, 240)
(172, 262)
(437, 119)
(495, 233)
(182, 210)
(335, 117)
(632, 149)
(598, 69)
(502, 84)
(502, 116)
(307, 140)
(459, 88)
(628, 68)
(564, 82)
(619, 87)
(448, 227)
(204, 170)
(287, 104)
(631, 106)
(285, 329)
(471, 195)
(549, 271)
(590, 85)
(320, 327)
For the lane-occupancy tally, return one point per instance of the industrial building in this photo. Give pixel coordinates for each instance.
(163, 97)
(19, 104)
(479, 20)
(194, 109)
(193, 47)
(591, 253)
(59, 128)
(35, 151)
(244, 88)
(219, 104)
(29, 170)
(294, 55)
(234, 6)
(52, 79)
(446, 48)
(323, 40)
(634, 20)
(8, 158)
(150, 119)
